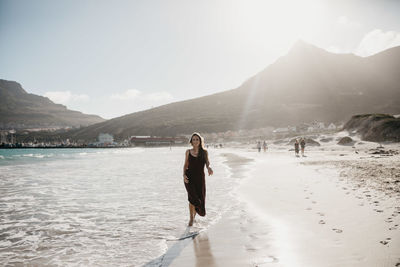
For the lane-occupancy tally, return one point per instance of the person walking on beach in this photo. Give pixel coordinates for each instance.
(302, 146)
(296, 147)
(194, 178)
(265, 146)
(259, 146)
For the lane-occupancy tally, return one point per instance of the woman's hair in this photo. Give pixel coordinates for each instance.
(202, 151)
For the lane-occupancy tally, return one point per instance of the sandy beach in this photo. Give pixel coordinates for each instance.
(338, 206)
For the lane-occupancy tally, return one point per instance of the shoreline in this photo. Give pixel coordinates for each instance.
(207, 248)
(286, 202)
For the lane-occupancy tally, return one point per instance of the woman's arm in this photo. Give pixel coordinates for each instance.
(210, 171)
(185, 166)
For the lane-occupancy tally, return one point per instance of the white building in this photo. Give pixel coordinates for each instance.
(105, 138)
(320, 125)
(332, 126)
(281, 130)
(3, 137)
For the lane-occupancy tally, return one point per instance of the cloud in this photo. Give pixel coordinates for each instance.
(133, 100)
(376, 41)
(65, 97)
(130, 94)
(159, 96)
(133, 95)
(114, 105)
(344, 21)
(334, 49)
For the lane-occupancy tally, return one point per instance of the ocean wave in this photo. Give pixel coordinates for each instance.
(109, 196)
(33, 155)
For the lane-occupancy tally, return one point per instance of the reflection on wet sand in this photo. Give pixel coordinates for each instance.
(202, 250)
(174, 251)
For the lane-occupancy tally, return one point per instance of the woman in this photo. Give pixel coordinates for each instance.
(193, 176)
(296, 147)
(302, 145)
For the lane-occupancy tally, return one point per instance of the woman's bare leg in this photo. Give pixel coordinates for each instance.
(192, 211)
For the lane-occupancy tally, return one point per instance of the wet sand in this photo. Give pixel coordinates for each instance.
(238, 239)
(331, 208)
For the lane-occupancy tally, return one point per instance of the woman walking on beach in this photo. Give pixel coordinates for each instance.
(302, 145)
(296, 147)
(194, 178)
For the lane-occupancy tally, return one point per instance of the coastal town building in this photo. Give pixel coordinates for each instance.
(281, 130)
(157, 141)
(105, 138)
(332, 126)
(3, 137)
(8, 137)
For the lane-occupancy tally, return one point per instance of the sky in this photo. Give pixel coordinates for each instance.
(113, 58)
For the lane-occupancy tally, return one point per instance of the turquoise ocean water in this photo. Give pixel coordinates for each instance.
(68, 207)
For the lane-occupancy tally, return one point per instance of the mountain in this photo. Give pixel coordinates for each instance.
(307, 84)
(18, 109)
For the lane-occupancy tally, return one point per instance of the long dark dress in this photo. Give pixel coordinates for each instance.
(196, 188)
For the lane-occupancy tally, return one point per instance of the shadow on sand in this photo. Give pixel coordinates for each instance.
(174, 251)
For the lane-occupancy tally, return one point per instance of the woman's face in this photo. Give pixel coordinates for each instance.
(195, 141)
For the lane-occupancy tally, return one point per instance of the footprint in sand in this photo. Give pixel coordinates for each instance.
(266, 261)
(337, 230)
(384, 242)
(321, 222)
(308, 208)
(251, 248)
(320, 214)
(254, 236)
(389, 220)
(314, 202)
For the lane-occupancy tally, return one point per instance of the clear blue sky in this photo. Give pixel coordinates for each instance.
(116, 57)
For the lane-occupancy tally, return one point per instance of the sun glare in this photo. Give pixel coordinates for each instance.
(280, 21)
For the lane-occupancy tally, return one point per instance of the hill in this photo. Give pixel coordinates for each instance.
(307, 84)
(18, 109)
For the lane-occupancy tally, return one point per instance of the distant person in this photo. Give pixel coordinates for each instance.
(296, 148)
(302, 146)
(194, 178)
(265, 147)
(259, 146)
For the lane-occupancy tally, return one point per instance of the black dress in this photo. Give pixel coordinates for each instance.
(196, 188)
